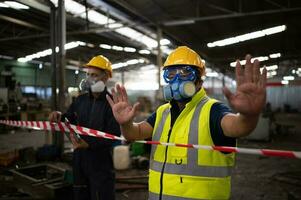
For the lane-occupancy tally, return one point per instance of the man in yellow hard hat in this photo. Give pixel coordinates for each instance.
(92, 158)
(191, 117)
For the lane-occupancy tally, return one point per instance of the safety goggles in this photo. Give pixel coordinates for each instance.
(185, 73)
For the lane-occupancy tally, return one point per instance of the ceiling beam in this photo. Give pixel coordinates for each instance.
(21, 22)
(215, 17)
(275, 4)
(220, 8)
(79, 32)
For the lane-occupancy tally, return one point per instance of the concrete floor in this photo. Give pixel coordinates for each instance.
(264, 178)
(254, 178)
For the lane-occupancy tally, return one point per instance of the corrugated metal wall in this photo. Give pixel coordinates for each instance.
(278, 96)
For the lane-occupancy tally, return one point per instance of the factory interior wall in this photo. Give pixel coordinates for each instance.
(30, 74)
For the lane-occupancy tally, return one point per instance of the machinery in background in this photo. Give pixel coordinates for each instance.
(44, 181)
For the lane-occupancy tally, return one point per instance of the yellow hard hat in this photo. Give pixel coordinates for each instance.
(183, 55)
(100, 62)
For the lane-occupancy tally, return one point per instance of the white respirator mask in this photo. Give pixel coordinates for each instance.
(90, 84)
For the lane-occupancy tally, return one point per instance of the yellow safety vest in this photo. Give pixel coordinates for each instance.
(186, 173)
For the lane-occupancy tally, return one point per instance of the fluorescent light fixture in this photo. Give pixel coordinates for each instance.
(90, 45)
(129, 62)
(16, 5)
(105, 46)
(129, 49)
(74, 7)
(117, 48)
(48, 52)
(269, 68)
(72, 45)
(73, 89)
(271, 74)
(164, 42)
(144, 51)
(212, 74)
(243, 62)
(288, 78)
(114, 25)
(248, 36)
(135, 35)
(141, 60)
(275, 55)
(78, 9)
(149, 42)
(284, 82)
(260, 58)
(3, 5)
(118, 65)
(273, 30)
(96, 17)
(132, 62)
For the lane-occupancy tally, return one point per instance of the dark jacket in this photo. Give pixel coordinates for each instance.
(94, 113)
(93, 167)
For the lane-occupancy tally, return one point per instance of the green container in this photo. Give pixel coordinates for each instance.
(137, 149)
(68, 176)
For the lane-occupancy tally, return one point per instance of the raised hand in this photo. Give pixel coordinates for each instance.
(250, 96)
(122, 109)
(78, 143)
(55, 116)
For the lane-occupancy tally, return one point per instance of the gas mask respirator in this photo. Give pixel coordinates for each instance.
(180, 81)
(91, 84)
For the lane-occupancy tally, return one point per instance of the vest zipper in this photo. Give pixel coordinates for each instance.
(162, 171)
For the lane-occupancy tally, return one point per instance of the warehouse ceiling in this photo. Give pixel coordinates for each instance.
(194, 23)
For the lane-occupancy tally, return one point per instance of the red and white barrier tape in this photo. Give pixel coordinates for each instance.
(64, 127)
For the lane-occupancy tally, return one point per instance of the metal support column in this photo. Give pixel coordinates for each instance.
(62, 53)
(159, 60)
(53, 42)
(62, 63)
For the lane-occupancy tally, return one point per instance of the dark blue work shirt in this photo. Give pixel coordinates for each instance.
(217, 112)
(94, 113)
(93, 174)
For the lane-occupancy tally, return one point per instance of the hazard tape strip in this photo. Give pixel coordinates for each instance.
(66, 127)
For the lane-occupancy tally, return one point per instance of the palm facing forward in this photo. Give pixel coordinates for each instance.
(122, 110)
(250, 95)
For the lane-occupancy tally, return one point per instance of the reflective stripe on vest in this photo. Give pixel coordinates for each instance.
(191, 168)
(158, 132)
(153, 196)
